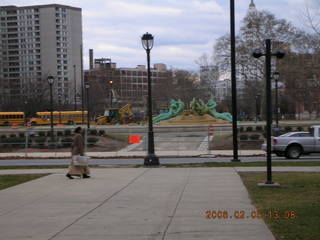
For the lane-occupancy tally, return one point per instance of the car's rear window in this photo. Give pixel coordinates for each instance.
(311, 131)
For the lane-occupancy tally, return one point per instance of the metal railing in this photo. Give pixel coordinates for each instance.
(37, 141)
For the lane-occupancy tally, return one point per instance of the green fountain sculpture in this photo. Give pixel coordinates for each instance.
(211, 105)
(176, 107)
(197, 107)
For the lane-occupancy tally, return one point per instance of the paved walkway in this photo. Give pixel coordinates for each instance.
(130, 203)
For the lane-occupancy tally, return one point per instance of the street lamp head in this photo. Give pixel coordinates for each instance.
(147, 41)
(257, 53)
(110, 81)
(276, 75)
(50, 80)
(280, 54)
(87, 85)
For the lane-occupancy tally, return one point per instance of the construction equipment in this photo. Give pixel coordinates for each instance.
(122, 115)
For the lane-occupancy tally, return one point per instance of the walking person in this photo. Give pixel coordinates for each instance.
(76, 150)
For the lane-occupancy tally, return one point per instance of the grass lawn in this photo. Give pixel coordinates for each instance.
(292, 211)
(244, 164)
(7, 181)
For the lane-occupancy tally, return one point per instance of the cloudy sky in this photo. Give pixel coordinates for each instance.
(183, 29)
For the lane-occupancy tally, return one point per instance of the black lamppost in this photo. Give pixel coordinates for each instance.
(233, 83)
(50, 81)
(151, 159)
(111, 93)
(276, 79)
(75, 87)
(26, 112)
(268, 54)
(87, 86)
(59, 106)
(257, 98)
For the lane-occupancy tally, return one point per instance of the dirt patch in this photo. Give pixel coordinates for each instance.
(226, 143)
(104, 144)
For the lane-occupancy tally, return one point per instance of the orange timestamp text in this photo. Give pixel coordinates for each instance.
(253, 214)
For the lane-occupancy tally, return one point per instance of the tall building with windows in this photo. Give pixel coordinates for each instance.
(35, 42)
(118, 86)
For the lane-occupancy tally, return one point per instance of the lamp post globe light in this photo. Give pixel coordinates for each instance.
(268, 54)
(87, 87)
(276, 76)
(151, 159)
(51, 81)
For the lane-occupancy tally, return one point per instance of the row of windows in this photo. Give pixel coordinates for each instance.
(26, 74)
(22, 23)
(29, 10)
(63, 21)
(61, 15)
(22, 17)
(63, 27)
(11, 116)
(62, 50)
(22, 40)
(24, 34)
(138, 73)
(19, 11)
(62, 62)
(60, 73)
(61, 32)
(59, 67)
(138, 80)
(62, 39)
(59, 44)
(62, 55)
(29, 22)
(30, 57)
(61, 10)
(21, 52)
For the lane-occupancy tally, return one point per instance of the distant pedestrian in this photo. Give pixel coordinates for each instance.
(77, 149)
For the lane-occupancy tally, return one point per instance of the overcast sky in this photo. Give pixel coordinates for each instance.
(183, 29)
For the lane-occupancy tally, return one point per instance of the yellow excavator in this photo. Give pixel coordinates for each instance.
(111, 116)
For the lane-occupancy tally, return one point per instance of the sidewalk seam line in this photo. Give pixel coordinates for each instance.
(99, 205)
(176, 207)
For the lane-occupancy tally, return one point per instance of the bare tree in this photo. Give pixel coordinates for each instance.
(311, 16)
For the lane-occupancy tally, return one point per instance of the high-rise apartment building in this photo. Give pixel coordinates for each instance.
(35, 42)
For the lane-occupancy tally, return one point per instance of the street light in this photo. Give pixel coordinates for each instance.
(111, 82)
(257, 106)
(268, 54)
(87, 86)
(59, 106)
(276, 76)
(25, 112)
(151, 159)
(75, 87)
(51, 81)
(233, 82)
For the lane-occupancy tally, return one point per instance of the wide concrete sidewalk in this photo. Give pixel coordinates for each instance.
(130, 203)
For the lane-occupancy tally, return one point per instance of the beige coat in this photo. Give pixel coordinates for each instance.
(78, 145)
(78, 149)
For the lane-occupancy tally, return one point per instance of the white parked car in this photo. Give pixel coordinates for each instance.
(293, 144)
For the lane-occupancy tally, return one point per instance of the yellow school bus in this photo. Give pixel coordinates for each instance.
(12, 118)
(59, 117)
